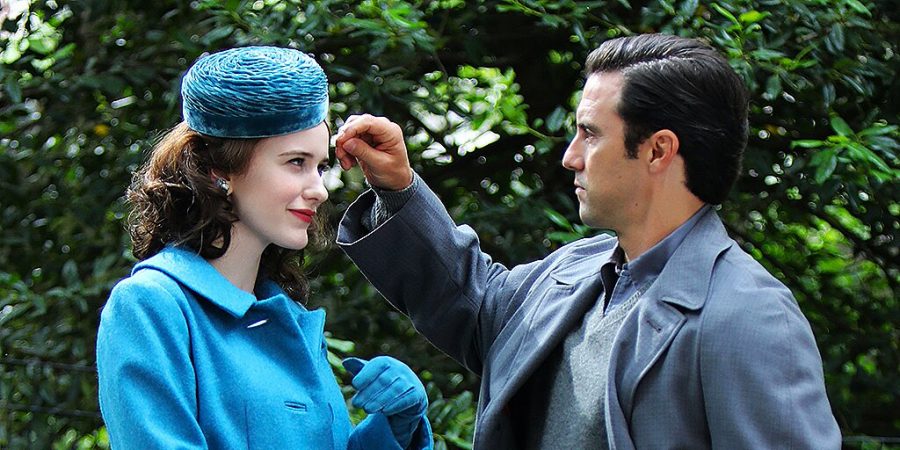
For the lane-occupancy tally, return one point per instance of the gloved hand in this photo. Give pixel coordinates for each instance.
(387, 386)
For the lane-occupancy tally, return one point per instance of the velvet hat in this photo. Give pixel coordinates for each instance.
(254, 92)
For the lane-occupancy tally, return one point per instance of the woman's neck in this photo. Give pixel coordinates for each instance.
(240, 263)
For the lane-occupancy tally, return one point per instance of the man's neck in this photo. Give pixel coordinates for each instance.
(649, 230)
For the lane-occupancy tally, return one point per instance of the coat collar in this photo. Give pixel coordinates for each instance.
(685, 279)
(198, 275)
(584, 259)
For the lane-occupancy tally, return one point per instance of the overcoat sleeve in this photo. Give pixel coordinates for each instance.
(146, 379)
(434, 272)
(762, 373)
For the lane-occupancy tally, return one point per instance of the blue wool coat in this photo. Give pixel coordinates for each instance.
(716, 354)
(186, 360)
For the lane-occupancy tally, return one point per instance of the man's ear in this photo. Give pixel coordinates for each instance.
(663, 147)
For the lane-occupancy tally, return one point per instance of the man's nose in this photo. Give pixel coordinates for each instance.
(572, 159)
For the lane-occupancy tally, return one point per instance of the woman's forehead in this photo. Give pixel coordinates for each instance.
(313, 142)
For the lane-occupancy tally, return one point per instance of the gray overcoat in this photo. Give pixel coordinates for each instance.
(716, 354)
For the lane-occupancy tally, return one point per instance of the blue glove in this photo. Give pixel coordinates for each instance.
(387, 386)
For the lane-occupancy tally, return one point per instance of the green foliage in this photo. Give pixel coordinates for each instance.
(485, 92)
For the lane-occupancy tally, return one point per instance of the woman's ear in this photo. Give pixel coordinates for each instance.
(221, 181)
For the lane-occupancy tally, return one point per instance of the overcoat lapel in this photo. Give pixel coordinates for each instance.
(576, 286)
(645, 335)
(682, 286)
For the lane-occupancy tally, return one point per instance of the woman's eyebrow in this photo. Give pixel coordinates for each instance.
(303, 154)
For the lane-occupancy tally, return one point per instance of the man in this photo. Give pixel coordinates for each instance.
(665, 336)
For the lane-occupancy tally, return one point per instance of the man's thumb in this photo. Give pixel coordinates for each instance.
(356, 147)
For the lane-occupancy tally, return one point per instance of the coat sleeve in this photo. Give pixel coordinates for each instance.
(434, 272)
(762, 378)
(375, 432)
(147, 385)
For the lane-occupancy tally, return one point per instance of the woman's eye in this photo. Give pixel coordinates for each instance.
(322, 168)
(297, 161)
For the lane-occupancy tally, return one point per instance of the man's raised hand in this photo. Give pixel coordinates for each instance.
(376, 145)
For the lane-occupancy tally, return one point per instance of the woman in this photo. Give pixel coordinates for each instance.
(206, 344)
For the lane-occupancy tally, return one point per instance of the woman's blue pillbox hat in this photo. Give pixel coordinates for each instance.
(254, 92)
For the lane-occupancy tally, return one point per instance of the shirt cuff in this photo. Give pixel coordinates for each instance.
(387, 203)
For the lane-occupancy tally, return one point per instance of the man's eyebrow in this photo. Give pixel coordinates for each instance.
(590, 128)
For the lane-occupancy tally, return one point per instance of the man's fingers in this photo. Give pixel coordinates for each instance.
(351, 128)
(357, 148)
(376, 131)
(346, 159)
(376, 145)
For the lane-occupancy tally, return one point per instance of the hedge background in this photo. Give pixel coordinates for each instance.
(485, 91)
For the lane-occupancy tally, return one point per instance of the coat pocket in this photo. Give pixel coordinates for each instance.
(288, 424)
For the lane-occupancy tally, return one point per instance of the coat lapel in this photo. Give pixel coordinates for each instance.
(683, 285)
(569, 292)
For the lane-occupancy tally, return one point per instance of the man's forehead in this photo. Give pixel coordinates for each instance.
(600, 89)
(603, 84)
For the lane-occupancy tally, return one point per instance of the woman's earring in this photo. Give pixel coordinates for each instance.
(223, 185)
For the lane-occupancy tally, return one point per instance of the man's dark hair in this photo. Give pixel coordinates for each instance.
(685, 86)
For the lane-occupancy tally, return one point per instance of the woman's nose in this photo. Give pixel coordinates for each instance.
(317, 191)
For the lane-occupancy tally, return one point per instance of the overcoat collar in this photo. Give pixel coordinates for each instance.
(198, 275)
(684, 281)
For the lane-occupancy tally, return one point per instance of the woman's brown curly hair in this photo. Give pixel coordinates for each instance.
(174, 201)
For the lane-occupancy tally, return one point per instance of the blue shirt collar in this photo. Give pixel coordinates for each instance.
(198, 275)
(646, 267)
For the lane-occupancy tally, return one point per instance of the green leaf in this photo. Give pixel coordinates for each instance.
(218, 34)
(558, 219)
(13, 89)
(878, 130)
(862, 153)
(828, 94)
(725, 13)
(688, 8)
(884, 144)
(859, 7)
(765, 54)
(840, 126)
(773, 87)
(835, 38)
(339, 345)
(826, 167)
(70, 273)
(555, 119)
(807, 143)
(64, 52)
(42, 44)
(335, 361)
(563, 237)
(753, 16)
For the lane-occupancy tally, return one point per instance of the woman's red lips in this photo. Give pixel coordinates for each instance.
(305, 215)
